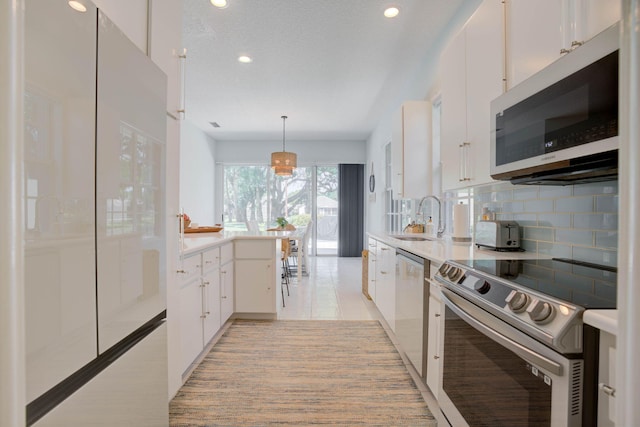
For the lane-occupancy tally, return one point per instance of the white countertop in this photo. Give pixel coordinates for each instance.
(605, 320)
(194, 242)
(440, 250)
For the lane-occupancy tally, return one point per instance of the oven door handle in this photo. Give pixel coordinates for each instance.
(522, 351)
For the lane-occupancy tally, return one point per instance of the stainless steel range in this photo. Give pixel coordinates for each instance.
(516, 352)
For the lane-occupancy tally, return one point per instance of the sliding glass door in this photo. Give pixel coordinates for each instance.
(326, 241)
(253, 198)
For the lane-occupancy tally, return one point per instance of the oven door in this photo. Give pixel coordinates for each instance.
(495, 375)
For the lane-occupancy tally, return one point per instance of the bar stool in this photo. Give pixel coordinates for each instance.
(285, 253)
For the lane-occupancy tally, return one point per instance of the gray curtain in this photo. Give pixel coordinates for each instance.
(350, 210)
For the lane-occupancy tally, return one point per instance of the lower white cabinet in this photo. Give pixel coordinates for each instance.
(607, 381)
(435, 340)
(190, 322)
(201, 303)
(256, 272)
(227, 296)
(210, 304)
(256, 290)
(371, 265)
(386, 283)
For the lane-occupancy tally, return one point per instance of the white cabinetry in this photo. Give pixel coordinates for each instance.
(541, 31)
(435, 340)
(372, 262)
(607, 381)
(200, 303)
(164, 47)
(386, 283)
(226, 283)
(411, 150)
(210, 294)
(471, 73)
(255, 276)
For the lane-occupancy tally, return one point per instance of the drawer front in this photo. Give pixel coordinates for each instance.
(191, 267)
(226, 253)
(210, 259)
(255, 249)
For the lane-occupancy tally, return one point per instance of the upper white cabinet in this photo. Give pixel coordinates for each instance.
(540, 32)
(164, 47)
(472, 69)
(411, 150)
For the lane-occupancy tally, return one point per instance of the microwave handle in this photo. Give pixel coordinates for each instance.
(522, 351)
(463, 170)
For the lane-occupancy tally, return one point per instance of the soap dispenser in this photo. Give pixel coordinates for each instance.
(429, 227)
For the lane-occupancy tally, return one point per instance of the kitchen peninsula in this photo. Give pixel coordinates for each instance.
(223, 275)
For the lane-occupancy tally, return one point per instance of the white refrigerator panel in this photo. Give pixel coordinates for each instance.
(59, 119)
(130, 392)
(131, 132)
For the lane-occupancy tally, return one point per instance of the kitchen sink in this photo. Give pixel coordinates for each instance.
(411, 238)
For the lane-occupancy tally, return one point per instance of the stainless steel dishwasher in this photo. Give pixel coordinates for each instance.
(412, 296)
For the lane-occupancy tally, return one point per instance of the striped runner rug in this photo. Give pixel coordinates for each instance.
(301, 373)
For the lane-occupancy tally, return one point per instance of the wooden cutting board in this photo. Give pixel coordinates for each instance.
(203, 230)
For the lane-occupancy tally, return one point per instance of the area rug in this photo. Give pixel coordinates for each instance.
(301, 373)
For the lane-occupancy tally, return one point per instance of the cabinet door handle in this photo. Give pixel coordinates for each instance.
(384, 249)
(224, 297)
(383, 272)
(208, 262)
(437, 315)
(575, 44)
(436, 357)
(607, 389)
(181, 271)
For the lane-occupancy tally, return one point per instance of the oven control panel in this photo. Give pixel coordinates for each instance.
(548, 318)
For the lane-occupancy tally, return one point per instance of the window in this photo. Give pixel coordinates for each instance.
(253, 197)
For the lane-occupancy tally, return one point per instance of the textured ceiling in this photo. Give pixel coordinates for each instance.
(335, 67)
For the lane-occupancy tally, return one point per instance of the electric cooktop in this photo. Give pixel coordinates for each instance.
(583, 284)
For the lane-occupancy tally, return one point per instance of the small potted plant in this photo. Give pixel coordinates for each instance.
(282, 222)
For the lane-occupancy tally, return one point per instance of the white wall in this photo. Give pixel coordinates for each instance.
(197, 174)
(309, 152)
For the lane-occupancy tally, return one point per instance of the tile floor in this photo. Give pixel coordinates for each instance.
(331, 291)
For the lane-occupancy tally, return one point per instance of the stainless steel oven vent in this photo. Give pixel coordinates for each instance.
(576, 387)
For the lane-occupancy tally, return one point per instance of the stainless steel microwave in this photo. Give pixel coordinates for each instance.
(560, 126)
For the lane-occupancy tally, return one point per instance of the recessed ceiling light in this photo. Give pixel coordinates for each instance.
(220, 3)
(391, 12)
(76, 5)
(244, 59)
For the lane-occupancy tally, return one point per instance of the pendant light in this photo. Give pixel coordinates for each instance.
(283, 162)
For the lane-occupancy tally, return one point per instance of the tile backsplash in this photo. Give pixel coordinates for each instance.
(576, 221)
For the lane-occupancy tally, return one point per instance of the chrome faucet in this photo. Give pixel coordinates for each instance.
(441, 224)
